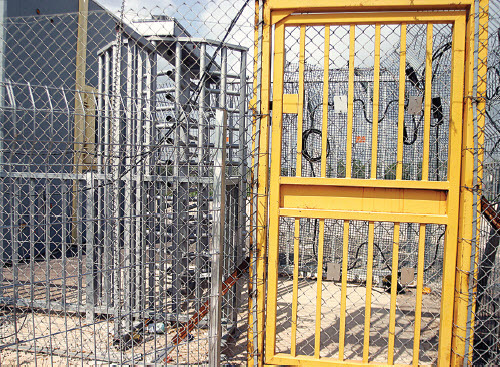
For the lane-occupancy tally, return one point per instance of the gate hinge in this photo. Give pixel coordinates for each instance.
(475, 99)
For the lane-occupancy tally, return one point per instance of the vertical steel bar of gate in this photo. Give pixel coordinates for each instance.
(401, 102)
(279, 63)
(369, 283)
(350, 100)
(461, 322)
(427, 103)
(394, 288)
(376, 97)
(457, 121)
(217, 245)
(300, 119)
(465, 235)
(326, 74)
(295, 292)
(418, 304)
(319, 282)
(343, 292)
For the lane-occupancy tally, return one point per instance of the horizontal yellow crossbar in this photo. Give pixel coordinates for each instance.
(367, 5)
(369, 199)
(366, 18)
(287, 360)
(356, 182)
(364, 216)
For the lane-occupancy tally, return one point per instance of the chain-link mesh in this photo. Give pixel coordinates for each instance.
(481, 331)
(119, 189)
(117, 194)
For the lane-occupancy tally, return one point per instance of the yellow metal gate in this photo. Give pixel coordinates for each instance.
(364, 200)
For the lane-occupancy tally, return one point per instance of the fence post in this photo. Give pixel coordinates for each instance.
(217, 245)
(90, 300)
(3, 32)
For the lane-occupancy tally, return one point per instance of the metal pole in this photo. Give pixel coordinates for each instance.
(89, 234)
(202, 202)
(79, 226)
(81, 64)
(151, 70)
(107, 265)
(223, 104)
(100, 190)
(181, 196)
(217, 245)
(3, 32)
(128, 209)
(139, 190)
(116, 186)
(152, 87)
(201, 105)
(242, 144)
(79, 137)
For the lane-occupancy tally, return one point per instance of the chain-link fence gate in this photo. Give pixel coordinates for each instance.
(321, 263)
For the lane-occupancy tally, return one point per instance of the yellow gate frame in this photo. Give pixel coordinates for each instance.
(274, 12)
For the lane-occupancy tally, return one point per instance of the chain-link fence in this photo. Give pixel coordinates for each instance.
(125, 167)
(129, 196)
(481, 291)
